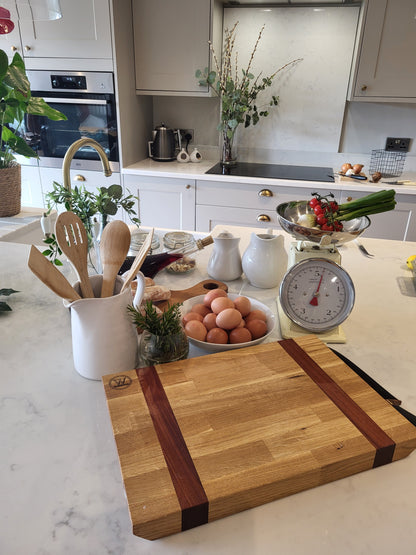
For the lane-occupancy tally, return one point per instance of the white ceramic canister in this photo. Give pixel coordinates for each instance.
(183, 156)
(195, 155)
(263, 259)
(104, 338)
(225, 261)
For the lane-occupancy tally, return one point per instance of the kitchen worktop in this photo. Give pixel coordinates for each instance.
(197, 171)
(60, 480)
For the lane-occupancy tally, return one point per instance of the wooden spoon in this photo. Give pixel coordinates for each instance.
(114, 246)
(138, 261)
(73, 241)
(50, 275)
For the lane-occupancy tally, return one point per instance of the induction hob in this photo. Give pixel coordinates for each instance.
(276, 171)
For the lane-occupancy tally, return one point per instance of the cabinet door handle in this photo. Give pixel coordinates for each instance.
(349, 199)
(265, 193)
(263, 218)
(13, 48)
(187, 186)
(79, 177)
(27, 48)
(364, 88)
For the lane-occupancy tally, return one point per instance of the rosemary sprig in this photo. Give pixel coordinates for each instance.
(167, 323)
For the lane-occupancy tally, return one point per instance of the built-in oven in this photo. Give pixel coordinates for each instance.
(88, 101)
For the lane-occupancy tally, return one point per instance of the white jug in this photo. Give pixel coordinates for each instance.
(264, 260)
(225, 261)
(104, 338)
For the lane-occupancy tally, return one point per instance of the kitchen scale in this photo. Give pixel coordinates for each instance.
(316, 294)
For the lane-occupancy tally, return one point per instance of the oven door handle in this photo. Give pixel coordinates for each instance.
(75, 101)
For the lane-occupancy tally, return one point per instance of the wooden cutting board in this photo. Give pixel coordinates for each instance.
(207, 437)
(202, 287)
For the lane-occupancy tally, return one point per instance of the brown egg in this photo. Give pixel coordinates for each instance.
(257, 328)
(209, 321)
(240, 335)
(213, 294)
(345, 168)
(201, 309)
(217, 335)
(228, 319)
(243, 305)
(191, 316)
(220, 304)
(196, 330)
(256, 314)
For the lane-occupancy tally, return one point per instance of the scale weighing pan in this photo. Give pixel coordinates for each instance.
(290, 212)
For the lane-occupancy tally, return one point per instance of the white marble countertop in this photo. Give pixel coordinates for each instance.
(60, 482)
(190, 170)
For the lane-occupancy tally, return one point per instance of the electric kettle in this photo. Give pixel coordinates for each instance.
(164, 144)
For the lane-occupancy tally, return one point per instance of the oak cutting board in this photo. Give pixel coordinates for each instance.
(207, 437)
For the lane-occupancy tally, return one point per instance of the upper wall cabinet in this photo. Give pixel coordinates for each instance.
(384, 71)
(83, 32)
(171, 43)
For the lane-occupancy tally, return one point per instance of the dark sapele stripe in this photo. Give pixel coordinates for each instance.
(371, 430)
(189, 490)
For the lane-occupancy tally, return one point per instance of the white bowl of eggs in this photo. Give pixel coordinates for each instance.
(219, 321)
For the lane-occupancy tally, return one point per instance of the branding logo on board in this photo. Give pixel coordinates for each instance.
(120, 382)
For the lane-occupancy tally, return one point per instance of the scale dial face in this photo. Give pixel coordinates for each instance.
(317, 294)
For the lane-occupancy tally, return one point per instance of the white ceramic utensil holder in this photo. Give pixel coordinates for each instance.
(104, 338)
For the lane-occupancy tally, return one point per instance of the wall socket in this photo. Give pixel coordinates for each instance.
(185, 135)
(397, 144)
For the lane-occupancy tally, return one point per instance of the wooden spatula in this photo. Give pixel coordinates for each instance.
(114, 246)
(50, 275)
(73, 241)
(138, 261)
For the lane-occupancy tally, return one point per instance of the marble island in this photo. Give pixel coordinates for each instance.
(62, 490)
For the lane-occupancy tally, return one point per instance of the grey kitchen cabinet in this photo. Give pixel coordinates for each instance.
(171, 43)
(163, 202)
(384, 68)
(246, 204)
(398, 224)
(83, 33)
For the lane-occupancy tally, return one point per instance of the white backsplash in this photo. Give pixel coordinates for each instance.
(313, 123)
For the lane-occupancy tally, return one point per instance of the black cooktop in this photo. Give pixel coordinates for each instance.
(276, 171)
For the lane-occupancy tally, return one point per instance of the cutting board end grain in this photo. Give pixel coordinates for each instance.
(205, 438)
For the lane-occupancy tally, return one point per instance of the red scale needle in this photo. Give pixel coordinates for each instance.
(314, 300)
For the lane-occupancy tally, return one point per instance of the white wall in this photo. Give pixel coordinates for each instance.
(313, 124)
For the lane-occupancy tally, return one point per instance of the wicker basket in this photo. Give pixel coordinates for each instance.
(10, 191)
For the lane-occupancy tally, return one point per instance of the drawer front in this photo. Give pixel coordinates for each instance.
(207, 217)
(261, 197)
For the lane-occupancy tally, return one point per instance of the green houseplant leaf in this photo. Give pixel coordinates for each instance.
(15, 102)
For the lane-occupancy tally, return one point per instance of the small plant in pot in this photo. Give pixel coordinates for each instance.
(15, 102)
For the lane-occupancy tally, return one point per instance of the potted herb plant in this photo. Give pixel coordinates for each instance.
(94, 209)
(238, 92)
(15, 102)
(163, 338)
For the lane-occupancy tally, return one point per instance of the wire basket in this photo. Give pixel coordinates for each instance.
(389, 164)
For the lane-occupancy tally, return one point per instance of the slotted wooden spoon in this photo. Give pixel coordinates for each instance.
(114, 246)
(73, 241)
(50, 275)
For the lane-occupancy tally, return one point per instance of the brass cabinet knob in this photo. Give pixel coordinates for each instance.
(79, 177)
(187, 186)
(27, 48)
(13, 48)
(263, 218)
(364, 88)
(265, 193)
(349, 199)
